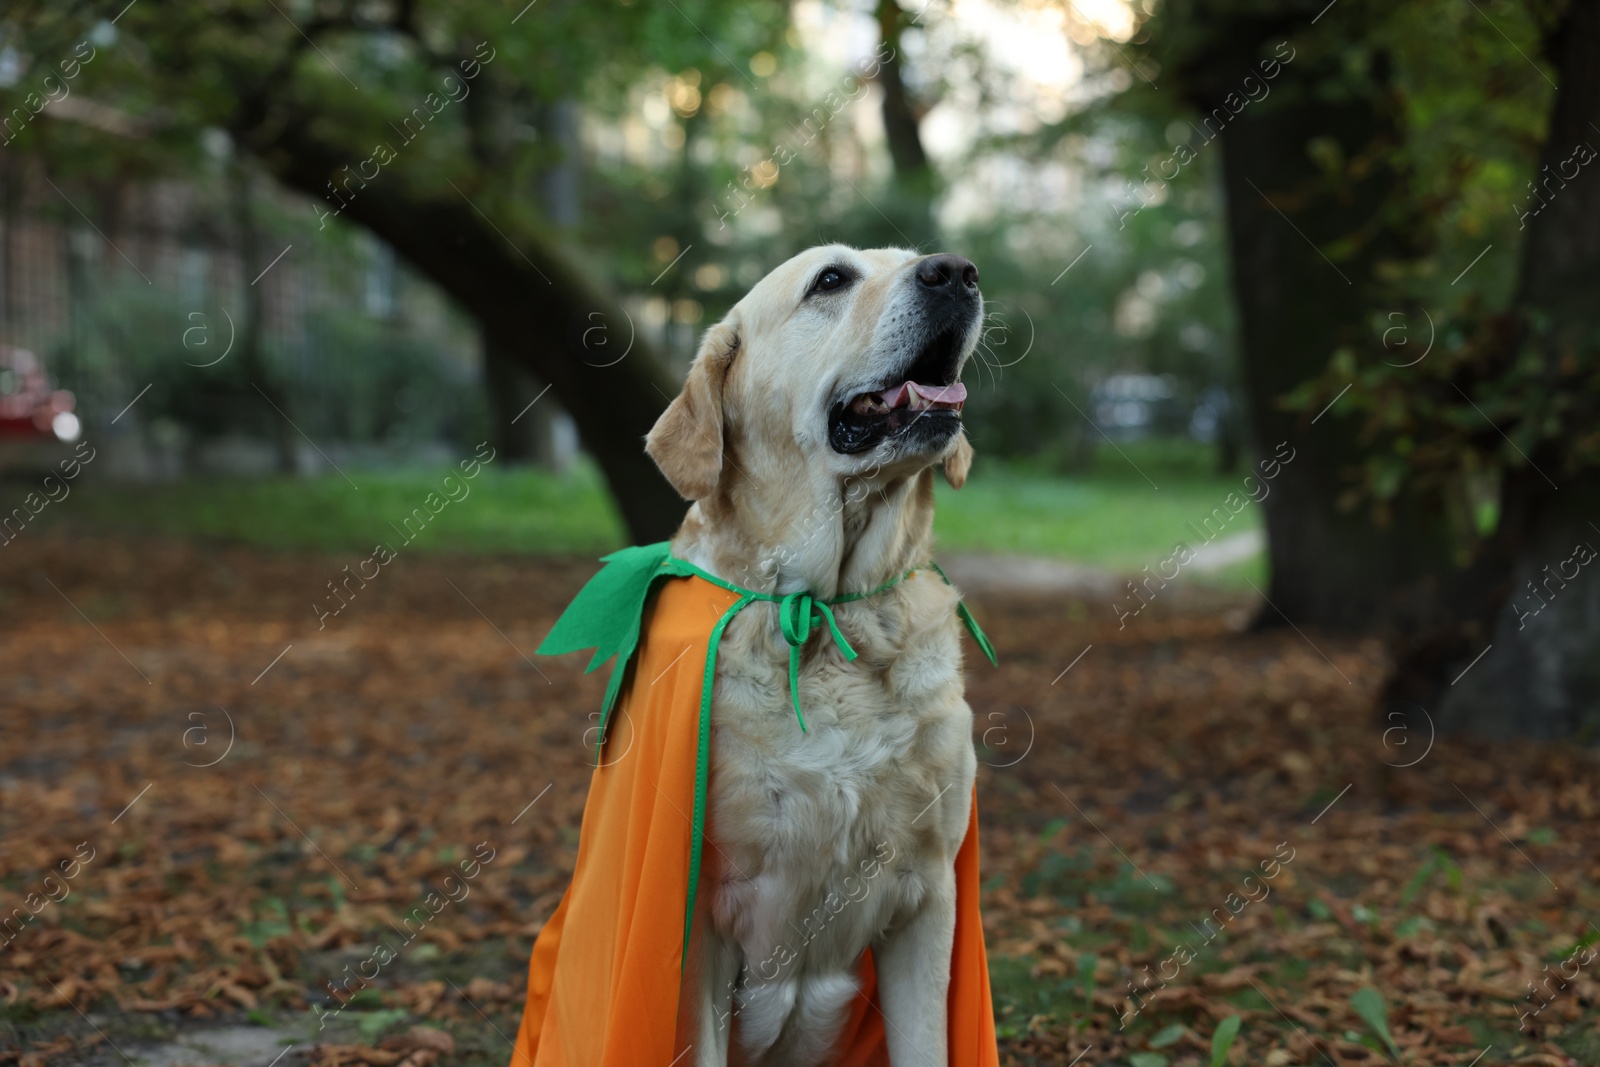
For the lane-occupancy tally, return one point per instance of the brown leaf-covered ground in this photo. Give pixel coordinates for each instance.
(1125, 801)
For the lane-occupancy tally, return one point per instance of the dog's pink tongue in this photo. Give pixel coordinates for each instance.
(936, 394)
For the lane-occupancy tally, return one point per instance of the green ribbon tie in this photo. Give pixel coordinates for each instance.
(795, 615)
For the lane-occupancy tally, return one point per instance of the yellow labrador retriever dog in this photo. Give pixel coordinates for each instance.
(806, 436)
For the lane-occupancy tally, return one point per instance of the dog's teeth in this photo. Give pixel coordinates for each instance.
(869, 404)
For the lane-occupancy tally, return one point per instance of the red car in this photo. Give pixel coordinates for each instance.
(30, 409)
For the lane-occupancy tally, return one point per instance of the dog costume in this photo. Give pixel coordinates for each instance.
(604, 979)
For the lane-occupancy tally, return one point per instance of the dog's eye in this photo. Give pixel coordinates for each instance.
(829, 280)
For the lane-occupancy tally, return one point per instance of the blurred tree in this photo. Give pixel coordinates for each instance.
(521, 424)
(699, 173)
(523, 429)
(1518, 397)
(915, 181)
(1391, 148)
(1308, 133)
(412, 120)
(252, 324)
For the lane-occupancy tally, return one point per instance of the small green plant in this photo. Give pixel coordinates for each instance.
(1222, 1040)
(375, 1023)
(1582, 943)
(270, 919)
(365, 998)
(1368, 1004)
(1438, 860)
(1087, 963)
(1413, 926)
(1168, 1035)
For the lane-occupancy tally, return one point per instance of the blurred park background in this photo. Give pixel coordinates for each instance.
(1306, 290)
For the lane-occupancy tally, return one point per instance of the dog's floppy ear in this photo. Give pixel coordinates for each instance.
(686, 441)
(958, 462)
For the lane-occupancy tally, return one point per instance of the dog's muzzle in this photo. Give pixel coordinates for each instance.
(920, 404)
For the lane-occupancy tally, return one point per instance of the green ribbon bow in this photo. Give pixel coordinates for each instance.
(607, 615)
(795, 615)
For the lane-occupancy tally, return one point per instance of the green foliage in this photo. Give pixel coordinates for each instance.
(375, 381)
(682, 118)
(1019, 996)
(1457, 388)
(263, 927)
(367, 998)
(1438, 860)
(1222, 1039)
(1369, 1005)
(373, 1024)
(1453, 389)
(1088, 963)
(1150, 298)
(355, 378)
(1589, 938)
(1168, 1035)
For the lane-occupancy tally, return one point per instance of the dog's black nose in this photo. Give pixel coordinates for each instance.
(943, 272)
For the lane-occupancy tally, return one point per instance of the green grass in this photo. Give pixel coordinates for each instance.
(1103, 518)
(1110, 516)
(516, 510)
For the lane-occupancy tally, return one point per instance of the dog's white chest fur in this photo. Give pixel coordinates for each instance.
(821, 842)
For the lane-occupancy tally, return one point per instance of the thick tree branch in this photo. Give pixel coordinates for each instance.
(529, 299)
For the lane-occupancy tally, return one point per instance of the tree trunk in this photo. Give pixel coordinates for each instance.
(11, 186)
(527, 298)
(524, 434)
(521, 433)
(560, 186)
(1330, 566)
(911, 210)
(1540, 675)
(1539, 671)
(253, 323)
(1560, 274)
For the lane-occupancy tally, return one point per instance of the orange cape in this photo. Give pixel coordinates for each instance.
(604, 980)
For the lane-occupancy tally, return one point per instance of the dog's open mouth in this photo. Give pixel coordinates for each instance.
(926, 396)
(911, 397)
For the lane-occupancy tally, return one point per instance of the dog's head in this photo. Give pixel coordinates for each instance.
(849, 360)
